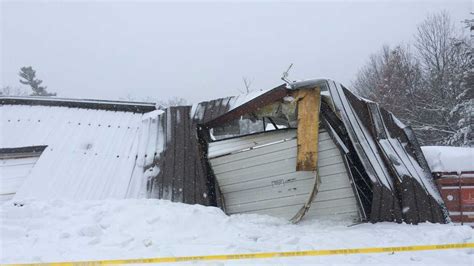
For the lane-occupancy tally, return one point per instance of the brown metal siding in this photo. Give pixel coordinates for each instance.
(184, 173)
(458, 194)
(211, 109)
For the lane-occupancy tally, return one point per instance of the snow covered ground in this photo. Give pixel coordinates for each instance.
(113, 229)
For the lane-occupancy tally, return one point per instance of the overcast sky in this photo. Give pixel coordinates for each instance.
(109, 50)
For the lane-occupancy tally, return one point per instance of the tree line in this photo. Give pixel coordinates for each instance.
(427, 84)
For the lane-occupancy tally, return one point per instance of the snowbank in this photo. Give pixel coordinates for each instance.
(112, 229)
(449, 159)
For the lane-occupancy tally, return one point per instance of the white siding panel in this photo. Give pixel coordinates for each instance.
(13, 172)
(338, 209)
(251, 173)
(254, 161)
(258, 174)
(256, 152)
(279, 180)
(219, 148)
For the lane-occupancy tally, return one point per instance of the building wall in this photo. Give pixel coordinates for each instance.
(457, 190)
(89, 154)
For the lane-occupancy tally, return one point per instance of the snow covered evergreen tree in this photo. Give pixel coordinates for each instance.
(28, 77)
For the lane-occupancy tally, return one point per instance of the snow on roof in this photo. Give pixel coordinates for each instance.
(449, 159)
(90, 154)
(140, 107)
(208, 110)
(244, 98)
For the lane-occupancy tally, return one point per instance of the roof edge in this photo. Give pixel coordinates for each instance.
(124, 106)
(250, 106)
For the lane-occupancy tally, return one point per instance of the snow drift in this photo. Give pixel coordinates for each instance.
(46, 231)
(449, 159)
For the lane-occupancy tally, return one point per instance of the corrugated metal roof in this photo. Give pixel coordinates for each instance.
(90, 154)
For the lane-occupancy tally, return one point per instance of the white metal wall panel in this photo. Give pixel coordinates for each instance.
(219, 148)
(13, 172)
(336, 198)
(91, 154)
(256, 174)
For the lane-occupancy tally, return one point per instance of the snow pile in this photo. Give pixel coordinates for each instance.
(449, 159)
(113, 229)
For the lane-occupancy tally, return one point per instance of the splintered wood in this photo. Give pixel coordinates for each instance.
(309, 101)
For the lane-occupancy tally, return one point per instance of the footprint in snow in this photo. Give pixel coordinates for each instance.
(292, 241)
(64, 235)
(126, 242)
(90, 231)
(94, 241)
(153, 220)
(147, 242)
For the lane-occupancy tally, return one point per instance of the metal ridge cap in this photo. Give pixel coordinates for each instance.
(308, 83)
(142, 107)
(58, 99)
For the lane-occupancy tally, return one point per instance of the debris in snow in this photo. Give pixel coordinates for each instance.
(147, 242)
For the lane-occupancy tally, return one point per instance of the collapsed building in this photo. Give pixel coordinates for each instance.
(309, 149)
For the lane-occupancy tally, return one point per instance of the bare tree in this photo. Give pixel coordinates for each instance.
(431, 89)
(446, 58)
(442, 52)
(247, 83)
(392, 77)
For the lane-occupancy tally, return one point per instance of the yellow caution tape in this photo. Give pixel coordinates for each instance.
(264, 255)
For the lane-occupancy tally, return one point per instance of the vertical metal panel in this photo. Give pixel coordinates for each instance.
(457, 191)
(419, 197)
(183, 176)
(262, 178)
(354, 115)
